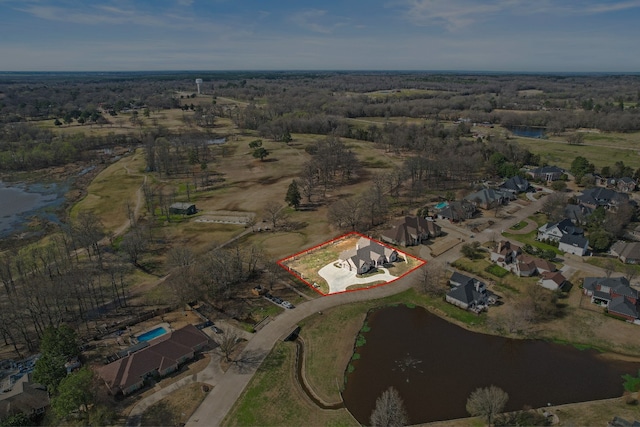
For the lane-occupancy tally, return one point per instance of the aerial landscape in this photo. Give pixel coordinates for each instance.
(239, 214)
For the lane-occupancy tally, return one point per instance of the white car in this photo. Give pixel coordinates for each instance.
(287, 304)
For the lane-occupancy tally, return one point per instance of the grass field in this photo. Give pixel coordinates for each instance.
(176, 408)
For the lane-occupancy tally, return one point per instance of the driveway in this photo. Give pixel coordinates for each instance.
(339, 279)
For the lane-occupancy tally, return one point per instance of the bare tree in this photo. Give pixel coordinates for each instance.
(431, 280)
(609, 266)
(554, 206)
(275, 213)
(487, 402)
(227, 342)
(389, 410)
(346, 213)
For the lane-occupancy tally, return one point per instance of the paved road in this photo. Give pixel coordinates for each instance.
(230, 385)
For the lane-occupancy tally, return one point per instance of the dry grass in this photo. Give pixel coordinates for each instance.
(176, 408)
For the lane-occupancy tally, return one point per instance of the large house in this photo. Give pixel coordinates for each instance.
(627, 252)
(595, 197)
(467, 292)
(546, 173)
(366, 255)
(615, 293)
(573, 244)
(516, 184)
(24, 396)
(489, 198)
(626, 184)
(510, 257)
(457, 211)
(578, 214)
(410, 231)
(555, 230)
(165, 355)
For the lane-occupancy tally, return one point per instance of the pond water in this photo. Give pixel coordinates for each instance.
(435, 365)
(528, 132)
(19, 201)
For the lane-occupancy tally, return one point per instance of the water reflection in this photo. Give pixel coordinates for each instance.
(435, 365)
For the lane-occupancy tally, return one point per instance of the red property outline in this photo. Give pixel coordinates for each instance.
(328, 242)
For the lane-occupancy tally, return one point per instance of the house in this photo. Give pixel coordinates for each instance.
(516, 184)
(578, 214)
(626, 184)
(510, 257)
(410, 231)
(614, 293)
(457, 211)
(459, 279)
(595, 197)
(164, 356)
(552, 280)
(25, 397)
(489, 198)
(182, 209)
(546, 173)
(573, 244)
(367, 254)
(470, 296)
(629, 253)
(555, 230)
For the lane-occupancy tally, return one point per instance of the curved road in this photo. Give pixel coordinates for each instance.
(221, 399)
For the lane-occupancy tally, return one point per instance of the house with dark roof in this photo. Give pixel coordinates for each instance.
(605, 197)
(472, 295)
(577, 214)
(410, 231)
(367, 254)
(459, 279)
(546, 173)
(182, 209)
(167, 353)
(614, 293)
(627, 252)
(516, 184)
(626, 184)
(24, 396)
(555, 230)
(489, 198)
(573, 244)
(457, 211)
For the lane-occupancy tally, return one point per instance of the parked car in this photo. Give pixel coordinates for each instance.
(287, 304)
(217, 330)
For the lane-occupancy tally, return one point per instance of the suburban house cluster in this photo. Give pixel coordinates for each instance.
(165, 355)
(510, 257)
(614, 293)
(469, 293)
(367, 255)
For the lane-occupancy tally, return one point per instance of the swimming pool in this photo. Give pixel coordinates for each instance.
(442, 205)
(153, 333)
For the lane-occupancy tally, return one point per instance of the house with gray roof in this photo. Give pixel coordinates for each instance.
(489, 198)
(472, 295)
(555, 230)
(573, 244)
(605, 197)
(516, 184)
(577, 214)
(546, 173)
(457, 211)
(614, 293)
(24, 396)
(627, 252)
(367, 254)
(626, 184)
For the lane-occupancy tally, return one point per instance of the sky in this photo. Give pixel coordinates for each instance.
(465, 35)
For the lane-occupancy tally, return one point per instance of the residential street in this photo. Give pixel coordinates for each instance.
(231, 384)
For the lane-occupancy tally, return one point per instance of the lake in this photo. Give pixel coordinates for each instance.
(19, 202)
(528, 132)
(435, 365)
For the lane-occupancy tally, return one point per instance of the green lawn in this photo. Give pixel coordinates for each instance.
(530, 238)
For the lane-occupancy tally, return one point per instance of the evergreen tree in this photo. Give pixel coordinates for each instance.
(293, 195)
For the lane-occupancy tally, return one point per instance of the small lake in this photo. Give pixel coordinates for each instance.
(18, 202)
(528, 131)
(435, 365)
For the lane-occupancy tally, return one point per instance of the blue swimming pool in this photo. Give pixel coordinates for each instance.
(154, 333)
(442, 205)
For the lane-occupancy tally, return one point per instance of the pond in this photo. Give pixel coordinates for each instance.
(435, 365)
(528, 131)
(18, 202)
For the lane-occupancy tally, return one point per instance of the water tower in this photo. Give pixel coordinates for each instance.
(198, 83)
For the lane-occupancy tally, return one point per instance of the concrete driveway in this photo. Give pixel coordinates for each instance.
(339, 279)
